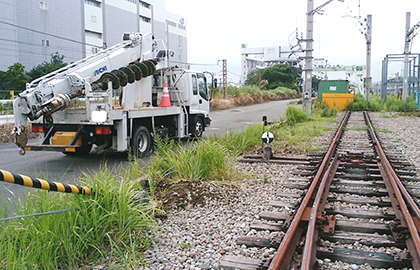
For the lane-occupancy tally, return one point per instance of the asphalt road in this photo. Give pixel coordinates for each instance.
(59, 167)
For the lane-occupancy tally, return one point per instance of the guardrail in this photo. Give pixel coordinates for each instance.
(6, 119)
(27, 181)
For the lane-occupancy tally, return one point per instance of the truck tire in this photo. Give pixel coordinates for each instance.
(197, 127)
(142, 142)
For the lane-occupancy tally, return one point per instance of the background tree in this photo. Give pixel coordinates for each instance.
(40, 70)
(276, 76)
(13, 79)
(315, 83)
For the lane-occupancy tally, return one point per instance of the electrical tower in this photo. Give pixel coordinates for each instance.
(224, 73)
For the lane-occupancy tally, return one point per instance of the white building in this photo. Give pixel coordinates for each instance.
(32, 30)
(259, 58)
(326, 71)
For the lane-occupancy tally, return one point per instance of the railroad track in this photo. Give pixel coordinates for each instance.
(355, 206)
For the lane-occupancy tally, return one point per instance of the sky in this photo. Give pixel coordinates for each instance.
(217, 28)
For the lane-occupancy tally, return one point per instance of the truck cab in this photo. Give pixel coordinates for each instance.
(188, 89)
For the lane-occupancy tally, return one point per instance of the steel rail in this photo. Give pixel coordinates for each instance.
(411, 202)
(278, 260)
(397, 189)
(309, 250)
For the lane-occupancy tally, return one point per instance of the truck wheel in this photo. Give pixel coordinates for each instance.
(142, 142)
(197, 128)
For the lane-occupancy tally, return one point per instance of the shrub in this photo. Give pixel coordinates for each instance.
(391, 104)
(295, 115)
(375, 103)
(328, 113)
(283, 90)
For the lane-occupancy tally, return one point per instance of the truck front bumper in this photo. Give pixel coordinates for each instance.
(207, 121)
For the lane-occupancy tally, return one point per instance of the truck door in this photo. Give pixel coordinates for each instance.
(194, 97)
(203, 94)
(200, 95)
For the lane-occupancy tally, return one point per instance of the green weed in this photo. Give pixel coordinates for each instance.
(204, 161)
(295, 115)
(106, 226)
(391, 104)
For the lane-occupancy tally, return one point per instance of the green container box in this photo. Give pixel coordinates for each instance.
(333, 87)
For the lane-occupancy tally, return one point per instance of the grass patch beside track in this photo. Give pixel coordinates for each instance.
(391, 104)
(110, 226)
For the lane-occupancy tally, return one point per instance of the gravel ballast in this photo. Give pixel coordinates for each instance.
(199, 236)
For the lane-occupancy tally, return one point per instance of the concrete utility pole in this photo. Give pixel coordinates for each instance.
(368, 78)
(406, 54)
(308, 58)
(409, 35)
(306, 103)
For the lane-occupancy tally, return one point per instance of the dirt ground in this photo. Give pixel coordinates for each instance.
(184, 195)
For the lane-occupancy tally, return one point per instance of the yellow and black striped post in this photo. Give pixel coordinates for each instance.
(27, 181)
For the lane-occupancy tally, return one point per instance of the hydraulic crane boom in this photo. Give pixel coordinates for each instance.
(134, 58)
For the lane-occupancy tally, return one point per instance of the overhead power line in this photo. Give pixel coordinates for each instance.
(47, 34)
(38, 45)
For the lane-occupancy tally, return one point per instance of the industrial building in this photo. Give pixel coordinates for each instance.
(263, 57)
(31, 30)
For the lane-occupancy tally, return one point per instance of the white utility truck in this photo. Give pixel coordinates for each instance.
(114, 99)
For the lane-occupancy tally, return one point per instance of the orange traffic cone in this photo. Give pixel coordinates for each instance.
(165, 101)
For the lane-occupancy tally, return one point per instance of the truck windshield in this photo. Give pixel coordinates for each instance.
(202, 86)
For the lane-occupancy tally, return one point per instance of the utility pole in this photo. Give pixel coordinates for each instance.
(308, 53)
(368, 78)
(406, 54)
(409, 35)
(307, 104)
(224, 73)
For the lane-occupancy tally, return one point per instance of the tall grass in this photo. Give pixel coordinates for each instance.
(283, 90)
(298, 138)
(203, 161)
(106, 226)
(238, 143)
(248, 95)
(391, 104)
(321, 110)
(295, 115)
